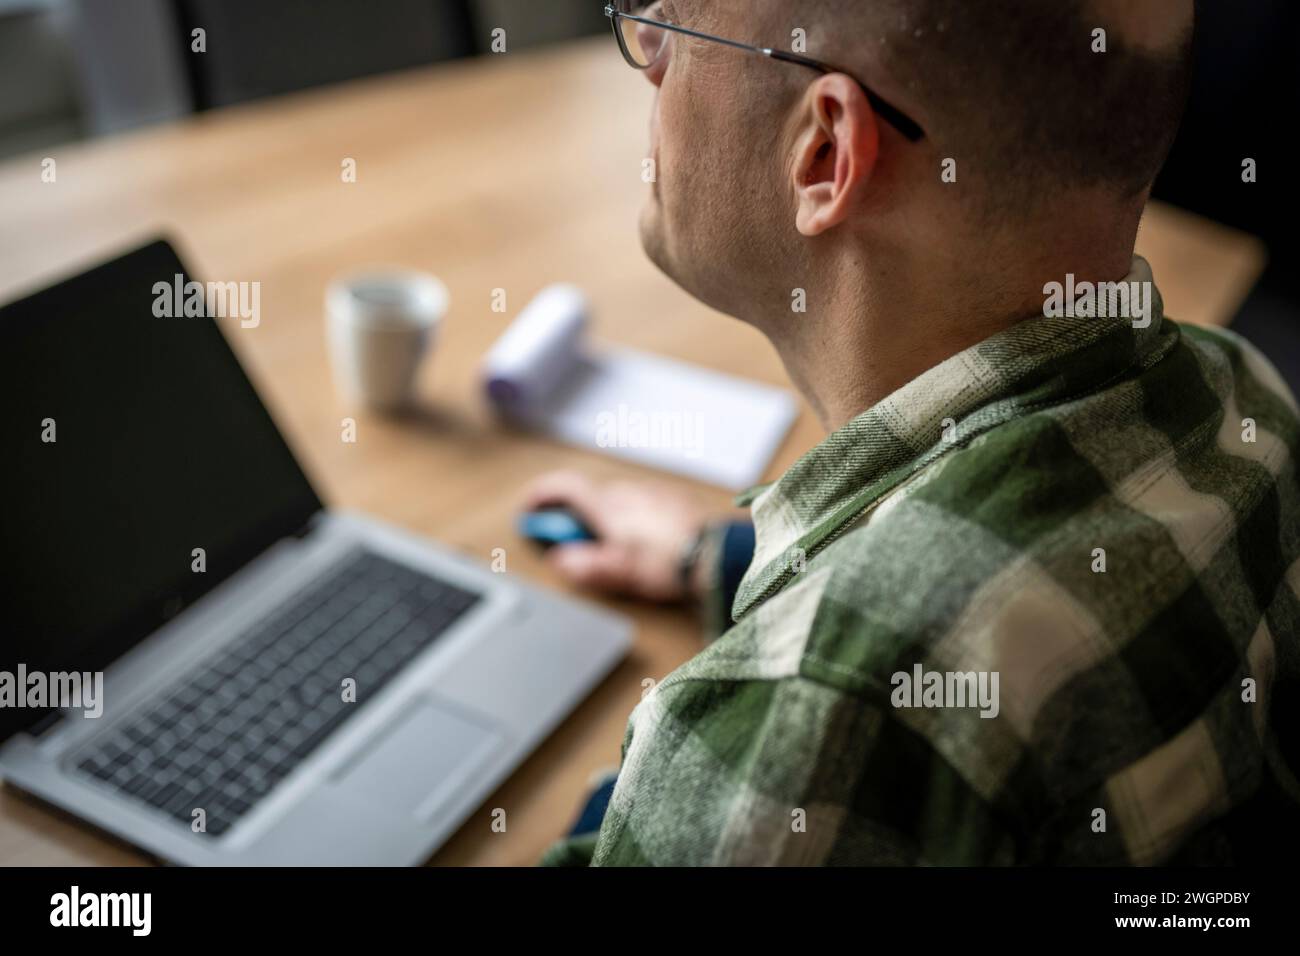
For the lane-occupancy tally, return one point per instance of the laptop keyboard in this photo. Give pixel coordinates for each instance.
(244, 719)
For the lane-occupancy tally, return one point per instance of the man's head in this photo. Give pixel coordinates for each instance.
(770, 174)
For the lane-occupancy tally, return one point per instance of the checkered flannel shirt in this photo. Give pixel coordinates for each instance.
(1105, 516)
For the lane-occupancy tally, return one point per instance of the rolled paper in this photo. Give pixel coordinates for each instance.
(538, 351)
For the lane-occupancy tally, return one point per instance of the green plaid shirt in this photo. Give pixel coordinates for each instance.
(1105, 517)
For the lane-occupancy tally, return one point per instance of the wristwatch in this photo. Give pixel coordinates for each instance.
(690, 559)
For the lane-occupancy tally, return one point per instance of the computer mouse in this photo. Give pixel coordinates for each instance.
(548, 527)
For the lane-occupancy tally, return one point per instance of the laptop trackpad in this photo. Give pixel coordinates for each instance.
(423, 757)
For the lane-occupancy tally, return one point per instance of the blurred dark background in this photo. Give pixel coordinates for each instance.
(1244, 103)
(76, 68)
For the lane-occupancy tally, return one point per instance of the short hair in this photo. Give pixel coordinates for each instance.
(1019, 97)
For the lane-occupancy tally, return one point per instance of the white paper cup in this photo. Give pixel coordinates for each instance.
(380, 326)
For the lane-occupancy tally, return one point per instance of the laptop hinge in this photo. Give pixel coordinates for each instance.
(311, 525)
(46, 724)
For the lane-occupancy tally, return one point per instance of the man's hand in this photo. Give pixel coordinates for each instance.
(643, 531)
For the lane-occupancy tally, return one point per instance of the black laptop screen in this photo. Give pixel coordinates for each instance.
(129, 441)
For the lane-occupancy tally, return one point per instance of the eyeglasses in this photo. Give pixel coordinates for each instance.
(642, 35)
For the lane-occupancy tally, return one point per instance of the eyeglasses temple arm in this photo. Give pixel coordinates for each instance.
(910, 129)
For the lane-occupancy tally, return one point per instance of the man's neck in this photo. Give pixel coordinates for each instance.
(843, 371)
(871, 334)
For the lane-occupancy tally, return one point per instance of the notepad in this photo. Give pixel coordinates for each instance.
(644, 408)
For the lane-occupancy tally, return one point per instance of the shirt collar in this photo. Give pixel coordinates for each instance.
(1041, 359)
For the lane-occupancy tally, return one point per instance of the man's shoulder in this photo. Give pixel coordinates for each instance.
(1136, 513)
(1076, 549)
(1015, 526)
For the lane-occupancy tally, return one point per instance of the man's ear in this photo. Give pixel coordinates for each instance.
(836, 144)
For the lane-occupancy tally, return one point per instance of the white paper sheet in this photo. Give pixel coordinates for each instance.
(644, 408)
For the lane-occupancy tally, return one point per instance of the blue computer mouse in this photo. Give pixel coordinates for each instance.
(548, 527)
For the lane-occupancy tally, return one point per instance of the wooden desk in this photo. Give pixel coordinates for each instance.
(511, 173)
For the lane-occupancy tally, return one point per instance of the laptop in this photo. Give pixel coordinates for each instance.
(200, 657)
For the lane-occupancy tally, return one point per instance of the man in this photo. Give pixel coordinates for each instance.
(1036, 599)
